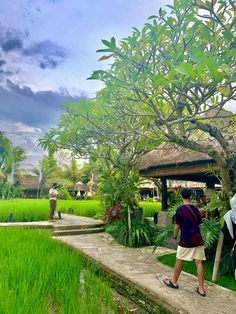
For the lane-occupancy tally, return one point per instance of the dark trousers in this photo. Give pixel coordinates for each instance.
(53, 205)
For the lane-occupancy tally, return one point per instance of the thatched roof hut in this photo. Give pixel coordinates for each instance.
(174, 162)
(29, 184)
(28, 181)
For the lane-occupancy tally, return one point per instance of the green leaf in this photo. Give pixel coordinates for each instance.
(113, 41)
(152, 17)
(136, 30)
(224, 90)
(96, 75)
(109, 44)
(228, 34)
(161, 80)
(206, 4)
(104, 50)
(185, 68)
(213, 70)
(170, 6)
(225, 68)
(197, 54)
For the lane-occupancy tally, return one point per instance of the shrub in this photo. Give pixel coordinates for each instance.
(64, 194)
(142, 233)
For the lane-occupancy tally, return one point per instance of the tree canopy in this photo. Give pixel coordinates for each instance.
(169, 81)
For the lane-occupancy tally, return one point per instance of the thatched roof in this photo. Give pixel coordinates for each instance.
(28, 181)
(169, 154)
(174, 162)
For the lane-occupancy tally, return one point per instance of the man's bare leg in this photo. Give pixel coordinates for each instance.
(200, 275)
(177, 271)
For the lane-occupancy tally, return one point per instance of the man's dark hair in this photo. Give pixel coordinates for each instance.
(54, 185)
(186, 194)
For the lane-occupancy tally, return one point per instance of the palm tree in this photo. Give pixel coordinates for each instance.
(46, 171)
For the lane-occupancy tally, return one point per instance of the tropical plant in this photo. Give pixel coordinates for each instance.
(119, 185)
(9, 190)
(163, 234)
(210, 230)
(227, 263)
(10, 159)
(47, 171)
(217, 202)
(71, 171)
(142, 233)
(64, 194)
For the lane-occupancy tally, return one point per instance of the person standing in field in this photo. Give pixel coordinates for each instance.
(53, 194)
(190, 248)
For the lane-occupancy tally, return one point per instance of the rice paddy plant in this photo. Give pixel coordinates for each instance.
(149, 209)
(87, 208)
(24, 210)
(38, 209)
(39, 275)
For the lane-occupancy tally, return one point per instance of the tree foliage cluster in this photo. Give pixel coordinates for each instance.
(10, 159)
(169, 81)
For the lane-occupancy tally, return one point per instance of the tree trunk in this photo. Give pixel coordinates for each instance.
(217, 257)
(129, 226)
(164, 200)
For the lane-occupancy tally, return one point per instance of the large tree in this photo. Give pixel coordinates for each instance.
(169, 81)
(174, 77)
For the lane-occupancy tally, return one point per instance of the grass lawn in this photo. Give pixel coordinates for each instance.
(38, 209)
(189, 267)
(40, 275)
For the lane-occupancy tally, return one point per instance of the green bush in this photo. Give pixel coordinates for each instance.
(8, 190)
(64, 194)
(142, 233)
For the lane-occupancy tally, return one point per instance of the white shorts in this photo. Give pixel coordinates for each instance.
(191, 253)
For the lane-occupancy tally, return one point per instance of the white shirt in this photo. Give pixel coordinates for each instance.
(53, 194)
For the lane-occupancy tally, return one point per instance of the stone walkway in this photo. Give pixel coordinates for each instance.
(67, 220)
(140, 268)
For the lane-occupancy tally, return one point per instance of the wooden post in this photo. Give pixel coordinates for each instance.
(217, 257)
(164, 194)
(129, 226)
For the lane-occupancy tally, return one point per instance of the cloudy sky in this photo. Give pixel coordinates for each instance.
(47, 52)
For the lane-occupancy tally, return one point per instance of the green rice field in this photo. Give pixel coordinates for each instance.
(38, 209)
(40, 275)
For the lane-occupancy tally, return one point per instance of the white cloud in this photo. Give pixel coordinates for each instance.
(21, 127)
(231, 105)
(26, 137)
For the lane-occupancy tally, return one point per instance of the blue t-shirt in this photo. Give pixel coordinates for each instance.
(189, 221)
